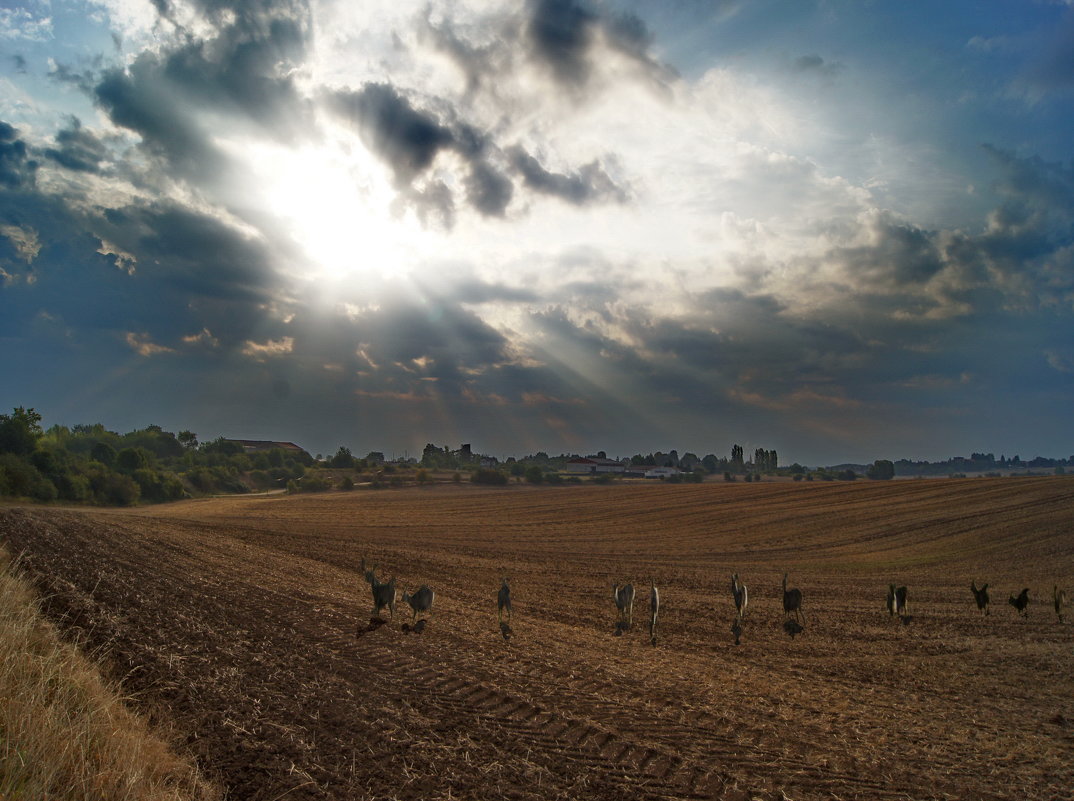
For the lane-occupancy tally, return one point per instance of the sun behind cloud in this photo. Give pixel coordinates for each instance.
(334, 203)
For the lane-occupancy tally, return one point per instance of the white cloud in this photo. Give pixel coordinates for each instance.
(25, 241)
(23, 23)
(268, 348)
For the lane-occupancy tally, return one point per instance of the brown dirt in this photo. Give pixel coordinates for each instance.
(244, 623)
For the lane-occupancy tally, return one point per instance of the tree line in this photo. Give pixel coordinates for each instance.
(90, 464)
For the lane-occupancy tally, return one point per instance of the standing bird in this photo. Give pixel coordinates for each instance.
(1020, 602)
(738, 591)
(792, 601)
(1059, 598)
(980, 594)
(654, 610)
(503, 600)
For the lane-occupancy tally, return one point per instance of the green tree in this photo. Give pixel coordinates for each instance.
(534, 474)
(19, 431)
(104, 453)
(881, 470)
(737, 456)
(188, 439)
(343, 458)
(130, 459)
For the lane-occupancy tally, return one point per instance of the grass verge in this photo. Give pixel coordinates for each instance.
(65, 733)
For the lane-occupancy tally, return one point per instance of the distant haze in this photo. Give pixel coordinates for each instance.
(842, 231)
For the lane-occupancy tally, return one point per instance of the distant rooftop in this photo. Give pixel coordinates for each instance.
(254, 445)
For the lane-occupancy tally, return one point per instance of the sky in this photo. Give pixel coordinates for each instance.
(840, 230)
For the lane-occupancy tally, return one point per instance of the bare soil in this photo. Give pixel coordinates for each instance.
(244, 624)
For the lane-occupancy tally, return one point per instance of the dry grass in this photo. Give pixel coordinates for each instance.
(64, 733)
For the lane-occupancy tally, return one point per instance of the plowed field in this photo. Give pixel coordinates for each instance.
(245, 624)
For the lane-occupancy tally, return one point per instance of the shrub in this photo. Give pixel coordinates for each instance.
(534, 474)
(486, 476)
(261, 479)
(73, 487)
(21, 479)
(113, 489)
(130, 460)
(313, 483)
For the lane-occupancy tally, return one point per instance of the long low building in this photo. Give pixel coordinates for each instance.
(590, 465)
(256, 445)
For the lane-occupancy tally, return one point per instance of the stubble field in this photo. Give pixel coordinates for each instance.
(242, 623)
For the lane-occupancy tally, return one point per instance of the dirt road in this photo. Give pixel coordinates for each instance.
(242, 623)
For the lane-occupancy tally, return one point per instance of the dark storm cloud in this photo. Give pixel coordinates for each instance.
(83, 80)
(564, 35)
(899, 252)
(589, 183)
(488, 190)
(248, 64)
(78, 149)
(408, 140)
(193, 253)
(404, 138)
(561, 33)
(245, 66)
(1035, 182)
(161, 271)
(17, 169)
(140, 100)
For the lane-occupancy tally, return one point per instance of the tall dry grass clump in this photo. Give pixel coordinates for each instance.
(64, 733)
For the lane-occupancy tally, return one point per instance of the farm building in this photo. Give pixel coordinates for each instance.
(589, 465)
(257, 445)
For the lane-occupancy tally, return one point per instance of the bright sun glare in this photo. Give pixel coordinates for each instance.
(336, 206)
